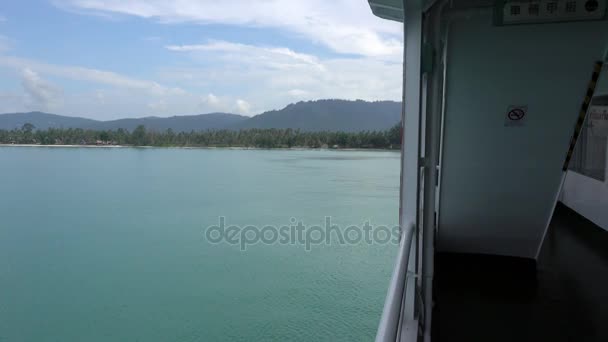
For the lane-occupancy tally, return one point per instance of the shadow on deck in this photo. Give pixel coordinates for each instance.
(564, 297)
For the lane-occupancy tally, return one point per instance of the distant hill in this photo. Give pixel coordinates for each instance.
(321, 115)
(184, 123)
(43, 121)
(330, 115)
(187, 123)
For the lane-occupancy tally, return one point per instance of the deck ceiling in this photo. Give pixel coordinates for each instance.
(387, 9)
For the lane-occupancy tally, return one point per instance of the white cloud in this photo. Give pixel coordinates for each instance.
(238, 78)
(275, 57)
(216, 75)
(118, 103)
(40, 94)
(243, 107)
(123, 97)
(344, 26)
(274, 77)
(297, 92)
(89, 75)
(211, 100)
(159, 106)
(224, 46)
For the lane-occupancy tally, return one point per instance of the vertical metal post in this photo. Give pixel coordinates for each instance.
(432, 151)
(410, 148)
(410, 117)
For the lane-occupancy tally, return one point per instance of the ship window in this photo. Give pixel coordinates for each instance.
(571, 6)
(590, 153)
(533, 9)
(552, 7)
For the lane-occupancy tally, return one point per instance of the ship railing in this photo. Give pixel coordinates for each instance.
(398, 322)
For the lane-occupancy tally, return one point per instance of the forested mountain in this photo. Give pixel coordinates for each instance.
(330, 115)
(43, 121)
(321, 115)
(246, 138)
(186, 123)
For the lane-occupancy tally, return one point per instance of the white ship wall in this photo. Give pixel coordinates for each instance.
(499, 182)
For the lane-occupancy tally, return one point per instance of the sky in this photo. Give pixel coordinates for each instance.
(108, 59)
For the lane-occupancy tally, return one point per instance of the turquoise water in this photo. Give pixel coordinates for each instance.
(109, 244)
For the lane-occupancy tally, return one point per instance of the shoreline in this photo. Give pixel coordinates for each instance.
(207, 148)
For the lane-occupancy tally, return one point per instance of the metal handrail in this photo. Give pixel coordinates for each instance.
(391, 314)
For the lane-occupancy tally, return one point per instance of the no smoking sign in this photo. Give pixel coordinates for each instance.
(516, 116)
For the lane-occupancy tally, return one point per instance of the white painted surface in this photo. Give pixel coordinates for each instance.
(499, 183)
(588, 197)
(411, 117)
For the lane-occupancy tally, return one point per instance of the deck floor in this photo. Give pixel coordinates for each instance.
(564, 297)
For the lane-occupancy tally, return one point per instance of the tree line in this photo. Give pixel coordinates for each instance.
(255, 138)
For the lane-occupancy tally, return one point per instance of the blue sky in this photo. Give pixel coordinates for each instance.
(107, 59)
